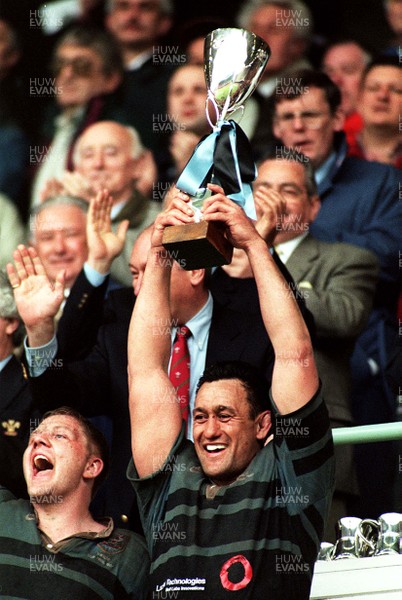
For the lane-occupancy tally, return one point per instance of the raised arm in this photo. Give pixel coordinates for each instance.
(295, 378)
(36, 297)
(154, 410)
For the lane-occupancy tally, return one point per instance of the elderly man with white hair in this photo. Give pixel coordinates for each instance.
(110, 155)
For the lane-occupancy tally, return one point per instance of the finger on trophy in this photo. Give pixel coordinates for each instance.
(215, 188)
(173, 194)
(179, 203)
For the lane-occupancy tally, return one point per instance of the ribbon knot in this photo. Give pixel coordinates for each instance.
(226, 156)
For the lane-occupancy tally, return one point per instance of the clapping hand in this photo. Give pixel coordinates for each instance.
(104, 245)
(271, 208)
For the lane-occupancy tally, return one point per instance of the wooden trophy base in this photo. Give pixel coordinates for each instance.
(198, 245)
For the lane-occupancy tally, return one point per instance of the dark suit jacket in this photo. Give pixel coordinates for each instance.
(142, 96)
(338, 282)
(361, 206)
(98, 384)
(242, 294)
(18, 416)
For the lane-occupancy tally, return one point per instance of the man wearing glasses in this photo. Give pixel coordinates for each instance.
(359, 206)
(86, 68)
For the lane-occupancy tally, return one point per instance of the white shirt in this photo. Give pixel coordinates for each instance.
(197, 343)
(286, 249)
(137, 62)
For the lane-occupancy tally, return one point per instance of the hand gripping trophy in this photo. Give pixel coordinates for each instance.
(234, 62)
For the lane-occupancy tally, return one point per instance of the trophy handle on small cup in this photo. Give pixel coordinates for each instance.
(235, 60)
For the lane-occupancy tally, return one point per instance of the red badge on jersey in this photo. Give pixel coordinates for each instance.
(248, 573)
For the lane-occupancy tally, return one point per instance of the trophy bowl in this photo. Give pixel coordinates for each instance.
(235, 60)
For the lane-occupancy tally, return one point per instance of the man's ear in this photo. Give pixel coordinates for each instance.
(276, 130)
(93, 467)
(263, 424)
(197, 276)
(12, 325)
(338, 119)
(165, 23)
(136, 167)
(112, 81)
(315, 205)
(297, 48)
(11, 58)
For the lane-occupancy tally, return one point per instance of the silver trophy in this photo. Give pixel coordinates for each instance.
(367, 537)
(326, 551)
(390, 534)
(235, 59)
(347, 544)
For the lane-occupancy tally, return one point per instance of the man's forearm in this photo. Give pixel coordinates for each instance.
(281, 315)
(295, 379)
(149, 335)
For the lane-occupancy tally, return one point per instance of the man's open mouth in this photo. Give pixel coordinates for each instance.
(41, 463)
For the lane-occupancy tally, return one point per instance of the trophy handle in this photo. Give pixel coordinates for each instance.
(210, 98)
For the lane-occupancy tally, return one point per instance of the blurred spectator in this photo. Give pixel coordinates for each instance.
(58, 233)
(18, 414)
(380, 106)
(192, 33)
(11, 85)
(139, 27)
(110, 155)
(393, 14)
(286, 26)
(61, 14)
(360, 206)
(87, 68)
(187, 95)
(344, 62)
(12, 230)
(14, 142)
(10, 52)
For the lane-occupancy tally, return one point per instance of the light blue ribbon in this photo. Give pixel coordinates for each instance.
(201, 162)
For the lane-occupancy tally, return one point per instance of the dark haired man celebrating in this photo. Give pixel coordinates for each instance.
(232, 511)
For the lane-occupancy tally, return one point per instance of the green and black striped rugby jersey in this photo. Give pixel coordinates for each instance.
(256, 538)
(105, 567)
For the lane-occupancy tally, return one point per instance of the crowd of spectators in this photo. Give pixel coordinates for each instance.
(92, 143)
